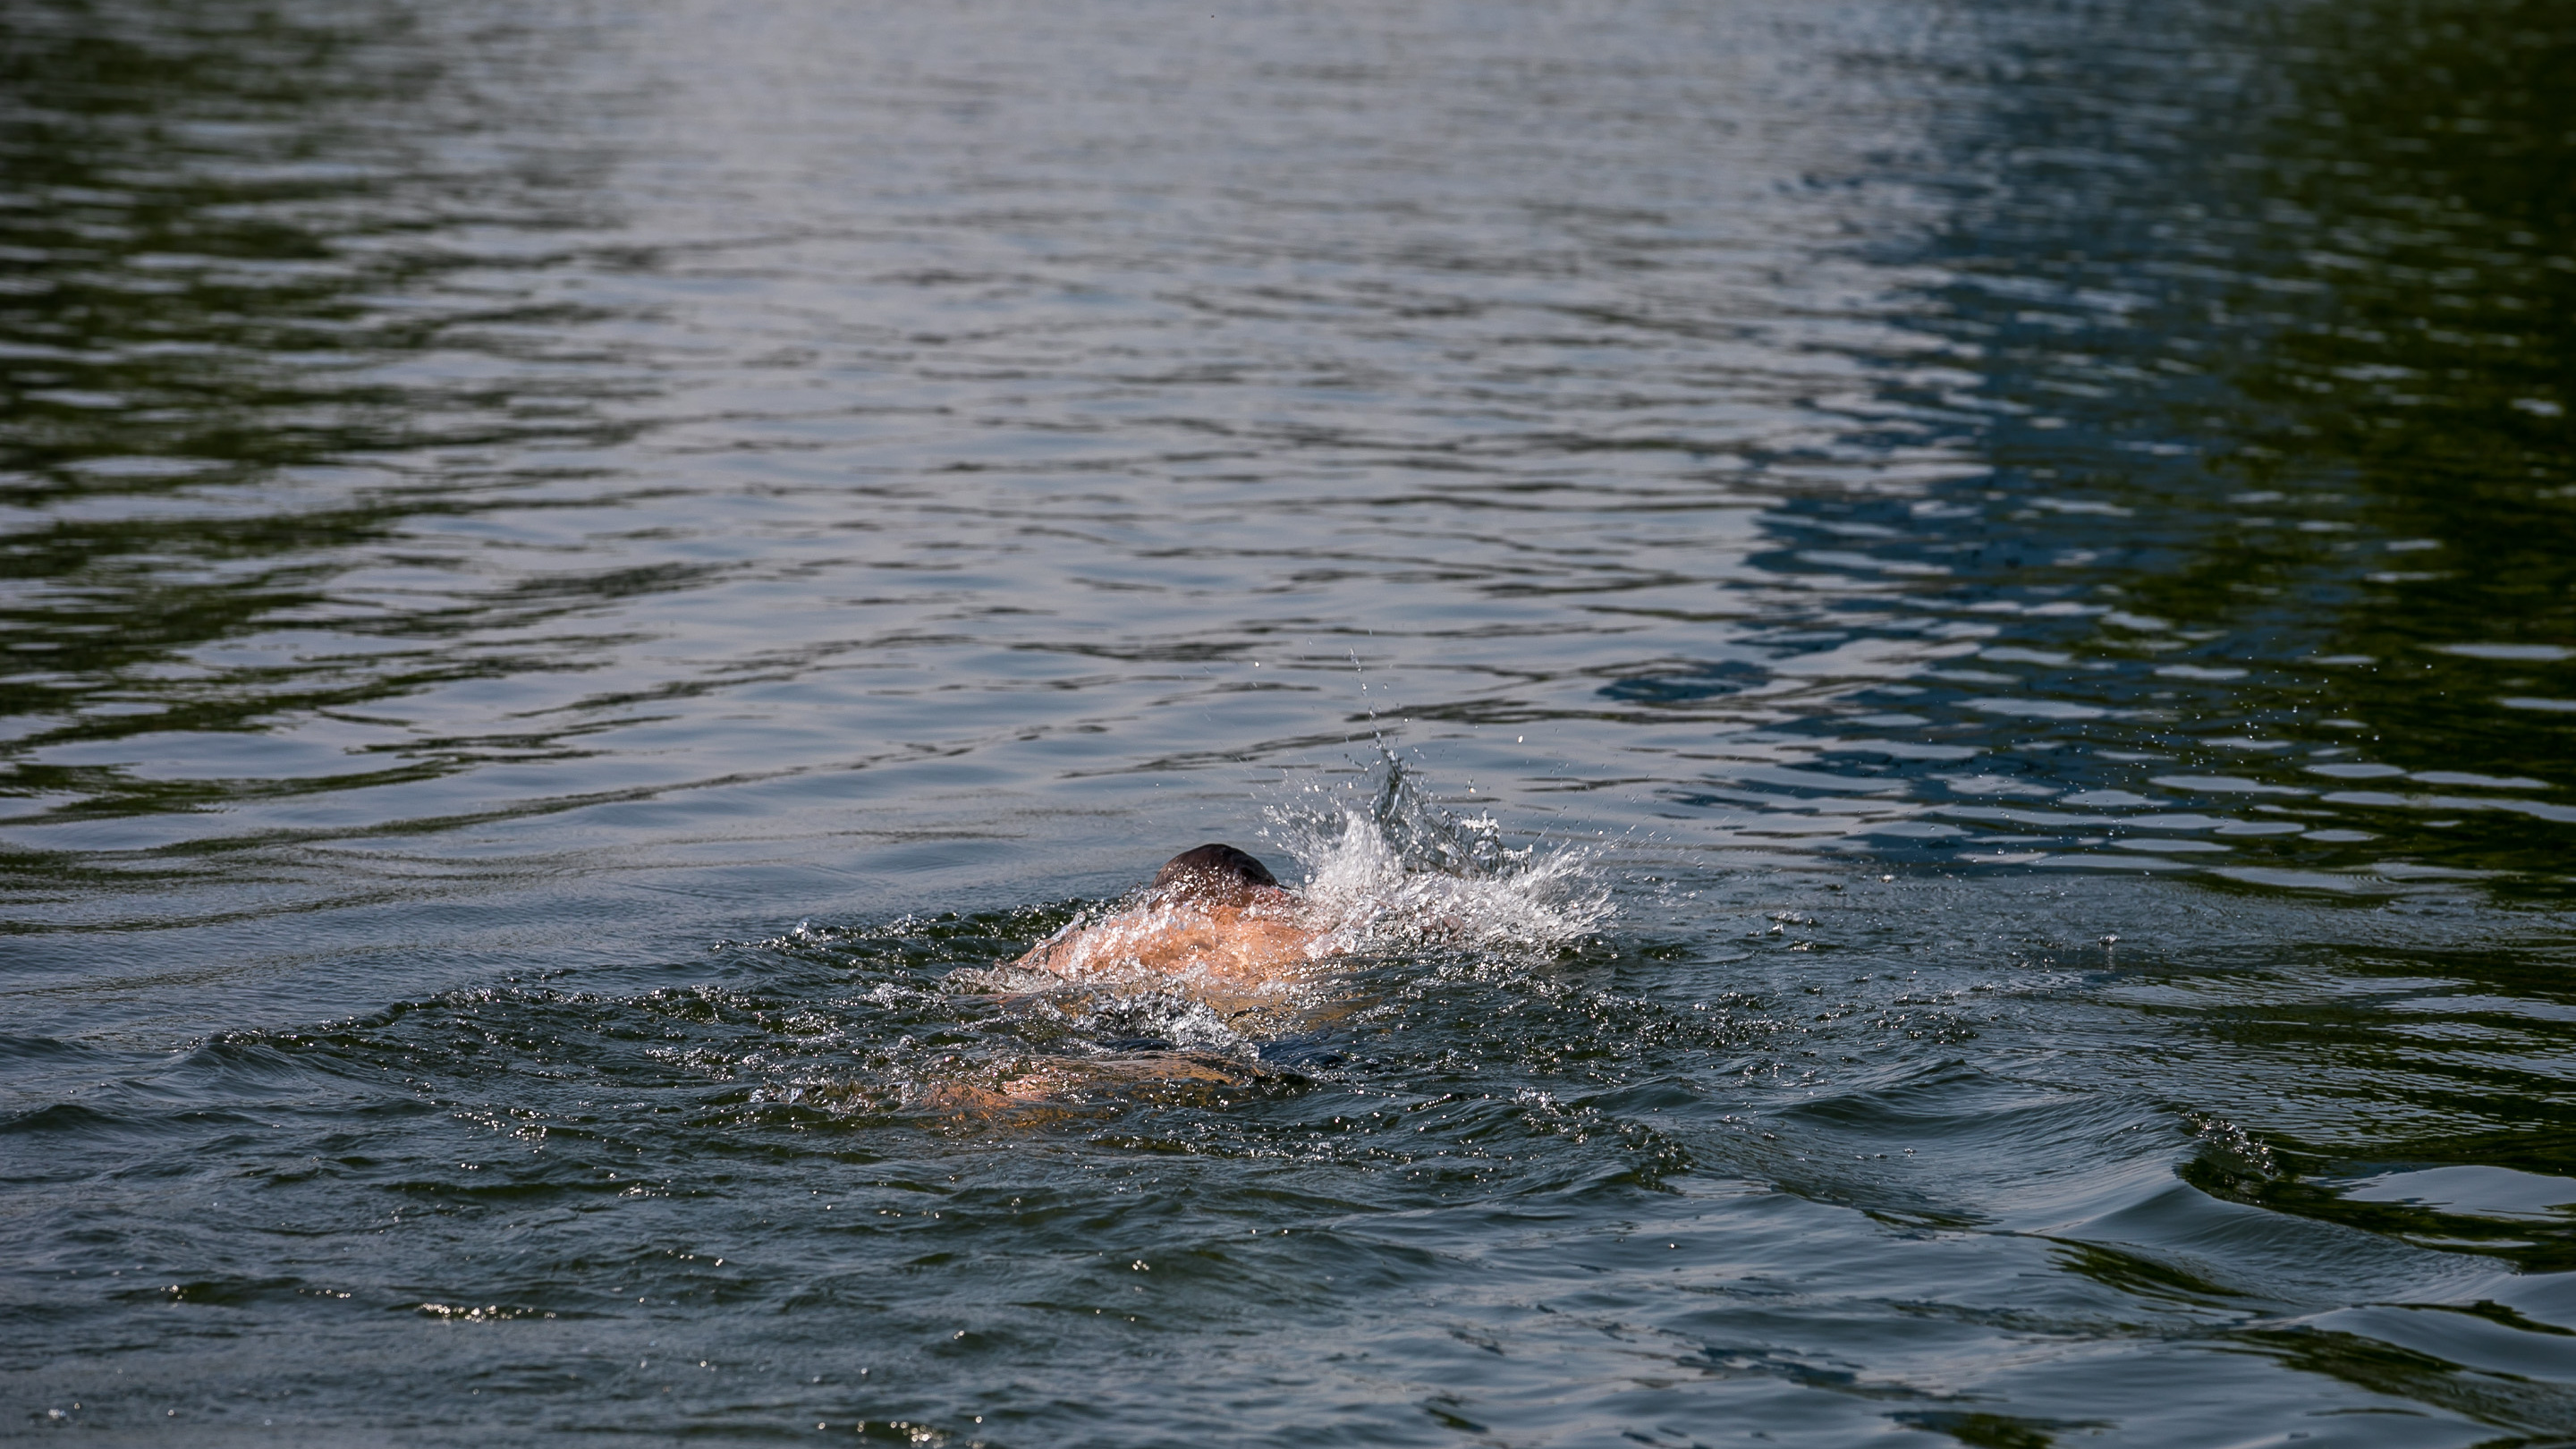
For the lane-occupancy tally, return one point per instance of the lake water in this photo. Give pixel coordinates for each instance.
(1979, 596)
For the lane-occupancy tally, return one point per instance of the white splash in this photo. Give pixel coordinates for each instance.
(1406, 873)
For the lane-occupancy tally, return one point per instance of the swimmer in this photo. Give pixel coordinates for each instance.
(1214, 919)
(1214, 926)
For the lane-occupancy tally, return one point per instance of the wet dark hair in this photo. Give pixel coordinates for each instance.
(1219, 870)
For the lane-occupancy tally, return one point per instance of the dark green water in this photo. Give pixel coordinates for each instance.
(2008, 564)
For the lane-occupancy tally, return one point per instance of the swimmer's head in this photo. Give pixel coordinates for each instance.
(1214, 872)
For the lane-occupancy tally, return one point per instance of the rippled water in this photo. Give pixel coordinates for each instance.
(1976, 600)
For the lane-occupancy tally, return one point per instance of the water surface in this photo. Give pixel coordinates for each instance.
(1982, 592)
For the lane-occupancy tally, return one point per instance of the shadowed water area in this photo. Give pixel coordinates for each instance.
(1963, 611)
